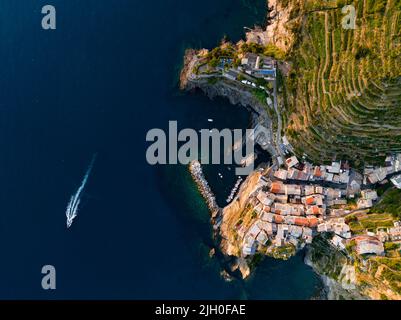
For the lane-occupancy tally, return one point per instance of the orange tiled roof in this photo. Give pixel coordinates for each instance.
(276, 187)
(317, 172)
(313, 222)
(315, 210)
(301, 221)
(310, 200)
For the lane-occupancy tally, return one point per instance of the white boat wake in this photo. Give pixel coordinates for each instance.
(72, 208)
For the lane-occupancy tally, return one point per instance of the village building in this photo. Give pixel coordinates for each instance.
(295, 231)
(295, 174)
(354, 186)
(267, 216)
(287, 209)
(309, 190)
(364, 204)
(307, 235)
(281, 174)
(396, 180)
(338, 242)
(338, 212)
(344, 177)
(382, 235)
(293, 189)
(253, 231)
(249, 247)
(262, 238)
(277, 188)
(318, 173)
(291, 162)
(374, 176)
(316, 199)
(333, 193)
(329, 177)
(369, 245)
(315, 210)
(230, 74)
(334, 168)
(281, 198)
(395, 233)
(336, 202)
(319, 190)
(369, 194)
(249, 61)
(264, 199)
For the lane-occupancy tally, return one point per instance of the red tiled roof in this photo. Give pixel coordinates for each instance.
(310, 200)
(315, 210)
(317, 172)
(276, 187)
(313, 222)
(301, 222)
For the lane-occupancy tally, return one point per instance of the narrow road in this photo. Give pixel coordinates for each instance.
(279, 121)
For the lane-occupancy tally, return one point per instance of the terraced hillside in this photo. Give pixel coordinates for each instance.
(343, 96)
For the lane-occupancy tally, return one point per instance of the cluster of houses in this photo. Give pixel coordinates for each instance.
(337, 172)
(373, 175)
(289, 214)
(292, 205)
(388, 234)
(285, 214)
(258, 66)
(368, 197)
(252, 67)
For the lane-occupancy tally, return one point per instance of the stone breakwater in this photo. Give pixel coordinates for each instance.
(195, 169)
(234, 190)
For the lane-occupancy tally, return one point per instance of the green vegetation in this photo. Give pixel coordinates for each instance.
(275, 52)
(388, 246)
(351, 218)
(392, 263)
(371, 222)
(270, 50)
(212, 80)
(350, 247)
(260, 94)
(393, 278)
(391, 203)
(255, 260)
(344, 90)
(252, 48)
(327, 260)
(284, 252)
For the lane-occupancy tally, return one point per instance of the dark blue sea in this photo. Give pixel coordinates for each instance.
(97, 84)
